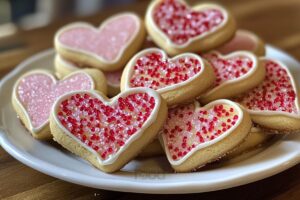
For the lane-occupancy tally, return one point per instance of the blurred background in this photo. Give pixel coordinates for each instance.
(31, 14)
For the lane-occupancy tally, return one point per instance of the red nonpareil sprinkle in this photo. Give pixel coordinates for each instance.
(152, 71)
(103, 127)
(180, 23)
(183, 134)
(230, 68)
(276, 93)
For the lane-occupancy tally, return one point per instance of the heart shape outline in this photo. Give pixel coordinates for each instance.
(42, 132)
(188, 162)
(277, 122)
(179, 92)
(157, 118)
(91, 59)
(208, 40)
(233, 87)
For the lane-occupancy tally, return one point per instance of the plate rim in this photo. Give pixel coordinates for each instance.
(130, 186)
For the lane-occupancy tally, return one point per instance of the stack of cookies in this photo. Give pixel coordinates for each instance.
(183, 82)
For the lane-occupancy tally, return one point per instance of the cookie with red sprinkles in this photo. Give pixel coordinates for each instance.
(236, 73)
(194, 136)
(177, 28)
(108, 132)
(179, 79)
(274, 104)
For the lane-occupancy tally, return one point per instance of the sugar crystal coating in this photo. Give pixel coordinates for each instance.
(152, 71)
(37, 93)
(229, 68)
(105, 128)
(180, 23)
(276, 93)
(188, 126)
(107, 43)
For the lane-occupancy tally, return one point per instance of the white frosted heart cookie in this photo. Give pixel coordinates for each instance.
(244, 40)
(64, 67)
(36, 91)
(179, 79)
(107, 132)
(236, 73)
(108, 47)
(274, 104)
(194, 136)
(178, 28)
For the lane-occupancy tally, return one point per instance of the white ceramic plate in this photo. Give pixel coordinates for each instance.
(144, 176)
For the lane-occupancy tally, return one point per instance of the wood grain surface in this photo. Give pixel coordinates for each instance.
(276, 21)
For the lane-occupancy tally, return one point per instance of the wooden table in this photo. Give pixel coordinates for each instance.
(277, 21)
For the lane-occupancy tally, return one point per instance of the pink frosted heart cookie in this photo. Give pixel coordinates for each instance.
(107, 132)
(236, 73)
(64, 67)
(194, 136)
(177, 79)
(35, 92)
(108, 47)
(244, 41)
(178, 28)
(274, 104)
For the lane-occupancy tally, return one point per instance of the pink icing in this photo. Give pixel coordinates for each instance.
(230, 68)
(180, 23)
(107, 42)
(189, 126)
(241, 41)
(276, 93)
(114, 78)
(153, 71)
(103, 127)
(38, 91)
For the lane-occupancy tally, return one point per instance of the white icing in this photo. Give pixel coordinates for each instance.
(132, 62)
(200, 146)
(273, 113)
(15, 96)
(112, 158)
(87, 25)
(149, 18)
(241, 78)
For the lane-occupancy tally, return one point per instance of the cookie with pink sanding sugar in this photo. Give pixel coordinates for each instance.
(108, 47)
(108, 132)
(35, 92)
(179, 79)
(64, 67)
(177, 28)
(274, 104)
(236, 73)
(244, 40)
(194, 136)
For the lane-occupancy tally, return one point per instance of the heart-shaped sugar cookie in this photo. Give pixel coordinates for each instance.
(274, 104)
(177, 28)
(35, 92)
(178, 79)
(194, 136)
(108, 47)
(235, 73)
(108, 133)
